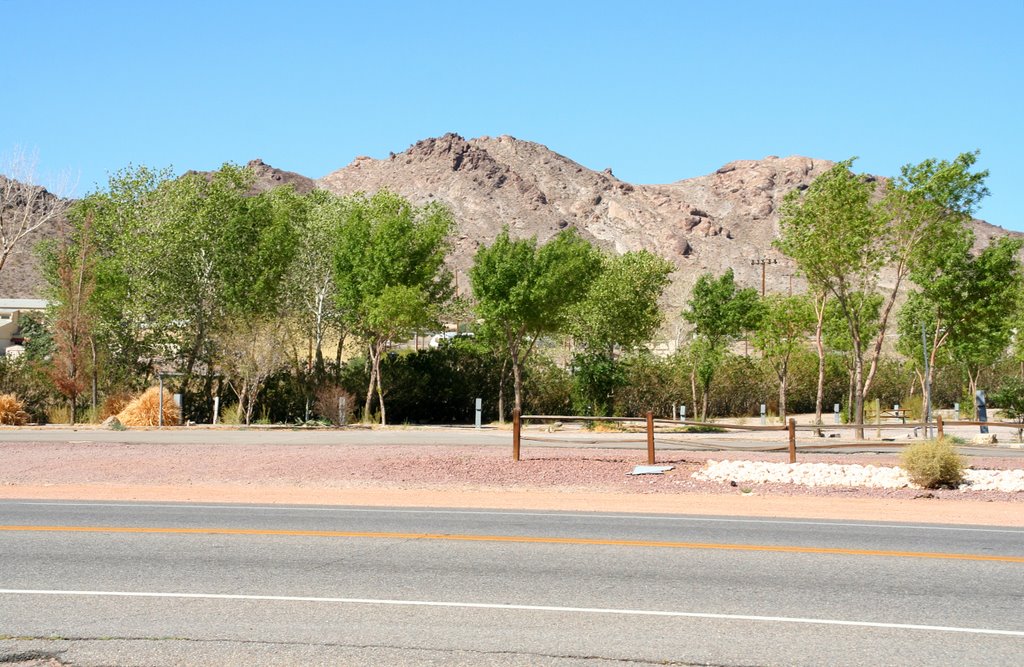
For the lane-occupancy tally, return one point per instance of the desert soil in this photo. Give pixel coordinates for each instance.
(464, 476)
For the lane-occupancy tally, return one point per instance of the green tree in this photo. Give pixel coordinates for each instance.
(390, 274)
(966, 305)
(719, 312)
(836, 238)
(179, 258)
(841, 239)
(524, 292)
(310, 284)
(620, 310)
(783, 328)
(619, 313)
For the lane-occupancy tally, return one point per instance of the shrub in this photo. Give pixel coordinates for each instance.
(11, 412)
(28, 381)
(145, 410)
(326, 404)
(933, 464)
(114, 403)
(231, 414)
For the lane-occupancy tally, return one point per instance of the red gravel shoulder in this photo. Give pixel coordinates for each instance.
(467, 475)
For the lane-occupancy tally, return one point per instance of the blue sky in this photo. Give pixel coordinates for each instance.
(658, 91)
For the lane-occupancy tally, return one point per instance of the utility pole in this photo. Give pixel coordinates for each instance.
(764, 262)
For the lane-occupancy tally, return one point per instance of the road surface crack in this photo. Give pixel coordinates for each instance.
(42, 655)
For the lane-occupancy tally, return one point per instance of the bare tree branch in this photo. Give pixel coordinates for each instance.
(24, 205)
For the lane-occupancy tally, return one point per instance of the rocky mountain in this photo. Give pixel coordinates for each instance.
(20, 277)
(709, 223)
(722, 220)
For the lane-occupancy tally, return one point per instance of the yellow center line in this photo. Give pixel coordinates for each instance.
(513, 539)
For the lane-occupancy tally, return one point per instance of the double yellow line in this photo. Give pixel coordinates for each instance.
(514, 539)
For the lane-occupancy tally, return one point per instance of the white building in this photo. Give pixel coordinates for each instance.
(10, 312)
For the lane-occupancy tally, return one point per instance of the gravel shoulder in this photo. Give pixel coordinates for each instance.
(584, 479)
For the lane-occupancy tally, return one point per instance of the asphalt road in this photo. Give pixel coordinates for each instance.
(162, 584)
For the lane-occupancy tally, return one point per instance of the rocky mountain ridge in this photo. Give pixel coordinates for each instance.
(721, 220)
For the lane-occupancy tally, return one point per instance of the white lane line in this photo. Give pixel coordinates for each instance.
(574, 515)
(517, 607)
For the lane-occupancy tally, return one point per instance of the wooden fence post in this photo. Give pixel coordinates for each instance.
(938, 426)
(650, 438)
(516, 426)
(792, 440)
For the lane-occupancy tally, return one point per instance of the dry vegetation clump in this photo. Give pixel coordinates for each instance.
(12, 411)
(113, 404)
(933, 464)
(145, 409)
(327, 403)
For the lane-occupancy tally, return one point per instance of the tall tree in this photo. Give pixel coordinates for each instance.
(841, 239)
(390, 274)
(719, 312)
(927, 209)
(836, 238)
(783, 328)
(524, 292)
(75, 282)
(180, 257)
(310, 280)
(966, 305)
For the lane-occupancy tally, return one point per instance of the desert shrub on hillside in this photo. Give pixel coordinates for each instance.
(145, 409)
(933, 464)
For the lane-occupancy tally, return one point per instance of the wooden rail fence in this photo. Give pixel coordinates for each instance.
(790, 427)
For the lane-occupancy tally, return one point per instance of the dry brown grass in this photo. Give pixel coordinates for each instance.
(145, 409)
(113, 404)
(12, 411)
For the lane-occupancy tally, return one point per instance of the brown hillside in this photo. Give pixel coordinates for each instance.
(707, 223)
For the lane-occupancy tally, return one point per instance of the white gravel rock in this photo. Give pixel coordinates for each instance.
(830, 474)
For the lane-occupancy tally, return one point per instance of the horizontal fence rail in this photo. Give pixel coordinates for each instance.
(791, 427)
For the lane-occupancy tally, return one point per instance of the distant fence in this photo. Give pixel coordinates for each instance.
(790, 428)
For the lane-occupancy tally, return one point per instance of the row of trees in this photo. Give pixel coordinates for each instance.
(205, 279)
(225, 287)
(845, 233)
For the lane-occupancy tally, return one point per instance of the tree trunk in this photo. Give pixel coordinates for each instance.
(517, 386)
(193, 356)
(380, 389)
(95, 376)
(693, 388)
(972, 382)
(858, 396)
(501, 391)
(819, 344)
(244, 404)
(369, 390)
(783, 380)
